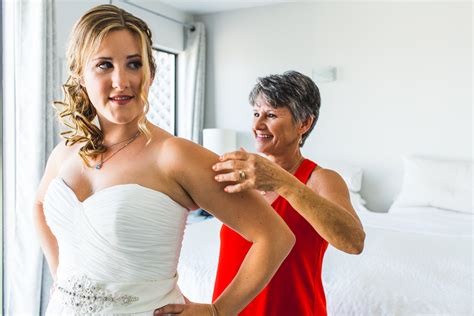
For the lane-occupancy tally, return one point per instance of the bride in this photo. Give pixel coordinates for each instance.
(112, 204)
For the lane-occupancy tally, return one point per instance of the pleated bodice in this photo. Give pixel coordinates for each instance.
(124, 239)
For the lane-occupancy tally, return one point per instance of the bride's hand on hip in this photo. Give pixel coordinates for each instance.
(188, 309)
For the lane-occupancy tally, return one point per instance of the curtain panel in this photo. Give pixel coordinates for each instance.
(30, 76)
(191, 84)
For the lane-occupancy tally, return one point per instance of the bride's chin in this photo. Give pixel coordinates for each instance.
(123, 119)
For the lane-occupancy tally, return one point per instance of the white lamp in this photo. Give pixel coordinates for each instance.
(219, 140)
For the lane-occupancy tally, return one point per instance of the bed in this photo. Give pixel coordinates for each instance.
(417, 260)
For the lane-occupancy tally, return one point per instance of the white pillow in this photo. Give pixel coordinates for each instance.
(437, 183)
(358, 203)
(352, 175)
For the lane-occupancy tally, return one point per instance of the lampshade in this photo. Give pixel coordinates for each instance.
(219, 140)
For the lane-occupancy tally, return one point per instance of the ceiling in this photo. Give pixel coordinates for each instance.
(199, 7)
(204, 6)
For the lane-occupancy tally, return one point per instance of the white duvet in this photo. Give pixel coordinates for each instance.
(198, 260)
(415, 262)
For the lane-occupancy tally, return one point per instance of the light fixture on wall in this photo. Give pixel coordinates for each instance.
(324, 74)
(219, 140)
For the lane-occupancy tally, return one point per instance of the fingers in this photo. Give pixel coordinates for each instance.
(233, 176)
(237, 187)
(169, 309)
(191, 309)
(240, 170)
(228, 165)
(234, 155)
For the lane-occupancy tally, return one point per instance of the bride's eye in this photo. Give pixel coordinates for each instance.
(135, 65)
(104, 65)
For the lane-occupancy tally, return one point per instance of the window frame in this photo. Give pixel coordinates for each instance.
(175, 84)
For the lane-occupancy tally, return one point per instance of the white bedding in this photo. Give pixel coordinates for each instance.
(198, 260)
(416, 261)
(428, 220)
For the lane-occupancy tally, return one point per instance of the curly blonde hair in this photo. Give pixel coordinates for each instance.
(77, 111)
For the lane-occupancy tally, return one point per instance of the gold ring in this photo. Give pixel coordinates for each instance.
(242, 175)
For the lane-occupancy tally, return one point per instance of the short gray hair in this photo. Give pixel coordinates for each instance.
(292, 90)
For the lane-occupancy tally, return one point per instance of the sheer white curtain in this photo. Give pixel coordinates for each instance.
(30, 74)
(191, 85)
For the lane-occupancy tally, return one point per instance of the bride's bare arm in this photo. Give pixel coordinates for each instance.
(245, 212)
(47, 240)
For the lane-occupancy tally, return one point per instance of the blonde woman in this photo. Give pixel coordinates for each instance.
(112, 204)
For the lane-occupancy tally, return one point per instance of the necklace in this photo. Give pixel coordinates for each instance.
(129, 141)
(122, 141)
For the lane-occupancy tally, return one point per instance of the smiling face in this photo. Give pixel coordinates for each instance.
(112, 78)
(274, 129)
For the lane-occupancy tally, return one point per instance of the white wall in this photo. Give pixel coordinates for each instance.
(403, 87)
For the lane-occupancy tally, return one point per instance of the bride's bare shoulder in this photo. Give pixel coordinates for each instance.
(176, 152)
(62, 151)
(181, 148)
(58, 157)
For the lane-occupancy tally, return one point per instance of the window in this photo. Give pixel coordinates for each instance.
(162, 94)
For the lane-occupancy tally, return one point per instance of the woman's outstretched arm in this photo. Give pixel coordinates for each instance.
(324, 201)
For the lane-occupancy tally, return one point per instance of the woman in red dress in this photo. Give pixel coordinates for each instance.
(313, 201)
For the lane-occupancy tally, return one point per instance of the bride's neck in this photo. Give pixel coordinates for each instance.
(114, 133)
(116, 138)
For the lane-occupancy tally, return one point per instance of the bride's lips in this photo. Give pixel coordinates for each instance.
(121, 99)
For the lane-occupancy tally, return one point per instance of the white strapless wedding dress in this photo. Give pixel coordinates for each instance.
(118, 250)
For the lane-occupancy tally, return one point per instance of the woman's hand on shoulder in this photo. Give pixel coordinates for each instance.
(245, 212)
(242, 171)
(190, 165)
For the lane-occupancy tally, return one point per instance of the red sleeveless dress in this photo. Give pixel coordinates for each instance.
(296, 288)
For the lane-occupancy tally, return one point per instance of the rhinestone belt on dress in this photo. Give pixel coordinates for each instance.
(86, 296)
